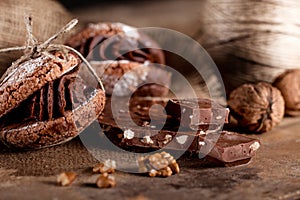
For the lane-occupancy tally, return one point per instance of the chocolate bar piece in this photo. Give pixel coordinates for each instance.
(194, 112)
(226, 147)
(144, 112)
(159, 132)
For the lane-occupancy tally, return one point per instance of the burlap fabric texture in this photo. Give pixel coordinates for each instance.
(48, 17)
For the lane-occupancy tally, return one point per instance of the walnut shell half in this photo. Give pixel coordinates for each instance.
(257, 107)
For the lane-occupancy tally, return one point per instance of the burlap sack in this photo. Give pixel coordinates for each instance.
(48, 17)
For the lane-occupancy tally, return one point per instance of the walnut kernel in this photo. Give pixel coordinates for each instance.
(105, 181)
(159, 164)
(108, 166)
(66, 178)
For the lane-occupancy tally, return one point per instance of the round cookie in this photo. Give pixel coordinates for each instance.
(125, 78)
(47, 103)
(31, 76)
(116, 41)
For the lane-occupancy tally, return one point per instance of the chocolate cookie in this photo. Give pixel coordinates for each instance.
(47, 103)
(125, 78)
(116, 41)
(29, 77)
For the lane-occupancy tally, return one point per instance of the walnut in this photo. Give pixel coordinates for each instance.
(257, 107)
(164, 172)
(108, 166)
(159, 164)
(66, 178)
(106, 181)
(289, 85)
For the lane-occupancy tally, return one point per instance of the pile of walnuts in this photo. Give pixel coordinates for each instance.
(104, 180)
(261, 106)
(158, 164)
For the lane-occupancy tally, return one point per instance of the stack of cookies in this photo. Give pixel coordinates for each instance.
(126, 60)
(45, 102)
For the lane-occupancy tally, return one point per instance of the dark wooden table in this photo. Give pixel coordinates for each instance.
(273, 174)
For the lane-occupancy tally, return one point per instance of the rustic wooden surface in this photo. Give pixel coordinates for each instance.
(273, 174)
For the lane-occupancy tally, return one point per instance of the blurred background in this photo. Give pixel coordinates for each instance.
(183, 16)
(246, 39)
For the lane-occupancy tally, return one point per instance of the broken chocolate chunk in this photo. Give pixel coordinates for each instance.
(155, 130)
(144, 112)
(195, 112)
(228, 147)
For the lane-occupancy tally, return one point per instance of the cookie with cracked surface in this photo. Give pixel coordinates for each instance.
(125, 78)
(45, 102)
(116, 41)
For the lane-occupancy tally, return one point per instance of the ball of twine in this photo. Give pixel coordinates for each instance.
(251, 41)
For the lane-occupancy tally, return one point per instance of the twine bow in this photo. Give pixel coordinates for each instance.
(34, 49)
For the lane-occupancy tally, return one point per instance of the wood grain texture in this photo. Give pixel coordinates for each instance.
(273, 174)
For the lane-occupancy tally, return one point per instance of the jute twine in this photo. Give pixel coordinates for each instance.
(49, 16)
(251, 41)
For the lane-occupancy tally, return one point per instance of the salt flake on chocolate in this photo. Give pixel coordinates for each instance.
(182, 139)
(128, 134)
